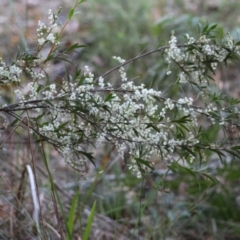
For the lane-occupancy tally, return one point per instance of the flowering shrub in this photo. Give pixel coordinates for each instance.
(140, 122)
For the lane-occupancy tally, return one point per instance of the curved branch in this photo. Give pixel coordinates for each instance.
(134, 59)
(138, 57)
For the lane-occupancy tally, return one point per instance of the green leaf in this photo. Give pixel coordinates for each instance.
(106, 108)
(136, 132)
(144, 162)
(63, 59)
(39, 116)
(189, 150)
(63, 125)
(48, 102)
(81, 80)
(149, 125)
(39, 88)
(70, 14)
(77, 74)
(49, 58)
(212, 178)
(89, 222)
(75, 46)
(88, 155)
(70, 223)
(220, 154)
(183, 119)
(235, 148)
(232, 153)
(176, 167)
(109, 97)
(112, 129)
(183, 126)
(212, 27)
(205, 29)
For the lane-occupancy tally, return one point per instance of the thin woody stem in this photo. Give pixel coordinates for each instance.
(138, 57)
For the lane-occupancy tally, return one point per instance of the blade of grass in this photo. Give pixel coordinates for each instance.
(89, 223)
(70, 223)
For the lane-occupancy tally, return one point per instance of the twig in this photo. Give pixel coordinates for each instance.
(52, 228)
(161, 49)
(134, 59)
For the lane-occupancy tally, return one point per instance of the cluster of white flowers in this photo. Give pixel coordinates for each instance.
(230, 42)
(192, 59)
(125, 118)
(20, 95)
(121, 69)
(33, 90)
(186, 105)
(45, 32)
(127, 113)
(35, 75)
(190, 39)
(183, 78)
(187, 101)
(120, 60)
(169, 104)
(89, 77)
(51, 93)
(9, 74)
(174, 53)
(207, 50)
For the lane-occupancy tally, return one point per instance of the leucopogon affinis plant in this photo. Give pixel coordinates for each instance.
(140, 122)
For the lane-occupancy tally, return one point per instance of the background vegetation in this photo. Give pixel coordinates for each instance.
(166, 204)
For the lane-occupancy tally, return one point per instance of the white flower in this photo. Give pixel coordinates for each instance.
(51, 37)
(41, 41)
